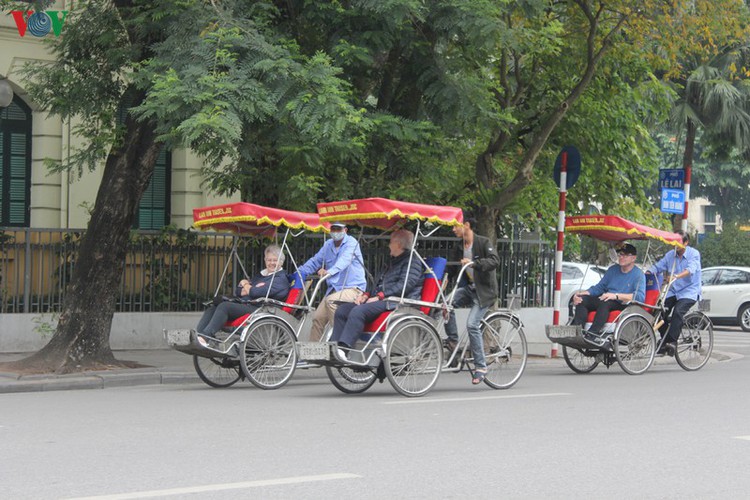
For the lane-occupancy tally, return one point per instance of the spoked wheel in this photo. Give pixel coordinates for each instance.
(505, 350)
(578, 361)
(351, 380)
(413, 357)
(217, 372)
(634, 345)
(268, 354)
(696, 341)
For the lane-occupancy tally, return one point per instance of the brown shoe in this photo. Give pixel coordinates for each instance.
(450, 345)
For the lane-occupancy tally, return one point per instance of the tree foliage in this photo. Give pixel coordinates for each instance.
(729, 248)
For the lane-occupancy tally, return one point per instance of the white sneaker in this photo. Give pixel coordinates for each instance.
(341, 355)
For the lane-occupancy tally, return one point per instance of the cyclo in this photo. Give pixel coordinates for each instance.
(259, 346)
(629, 336)
(404, 344)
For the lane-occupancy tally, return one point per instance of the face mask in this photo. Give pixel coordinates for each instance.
(338, 236)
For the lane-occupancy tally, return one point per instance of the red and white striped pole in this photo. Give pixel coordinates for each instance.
(688, 174)
(560, 243)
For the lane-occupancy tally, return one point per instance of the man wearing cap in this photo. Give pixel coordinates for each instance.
(619, 285)
(684, 268)
(340, 260)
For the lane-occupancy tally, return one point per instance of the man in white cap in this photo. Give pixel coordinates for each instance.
(341, 260)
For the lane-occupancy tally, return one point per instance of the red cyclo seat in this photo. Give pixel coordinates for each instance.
(430, 290)
(652, 295)
(291, 298)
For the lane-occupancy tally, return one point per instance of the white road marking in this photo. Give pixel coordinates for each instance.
(476, 398)
(746, 438)
(221, 487)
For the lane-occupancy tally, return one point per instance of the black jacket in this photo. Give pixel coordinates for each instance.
(391, 281)
(260, 284)
(486, 262)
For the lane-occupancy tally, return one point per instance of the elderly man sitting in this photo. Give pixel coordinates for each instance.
(350, 319)
(619, 285)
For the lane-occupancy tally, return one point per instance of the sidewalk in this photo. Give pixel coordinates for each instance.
(165, 366)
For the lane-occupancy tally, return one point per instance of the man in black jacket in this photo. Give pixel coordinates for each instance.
(350, 319)
(478, 289)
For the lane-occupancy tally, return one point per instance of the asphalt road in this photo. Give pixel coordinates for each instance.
(664, 434)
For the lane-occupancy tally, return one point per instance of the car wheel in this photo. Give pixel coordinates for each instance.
(744, 317)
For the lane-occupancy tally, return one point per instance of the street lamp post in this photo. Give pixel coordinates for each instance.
(6, 93)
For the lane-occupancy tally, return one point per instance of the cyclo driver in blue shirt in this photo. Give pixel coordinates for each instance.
(684, 268)
(341, 260)
(619, 285)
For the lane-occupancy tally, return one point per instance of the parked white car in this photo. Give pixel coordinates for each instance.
(728, 289)
(575, 277)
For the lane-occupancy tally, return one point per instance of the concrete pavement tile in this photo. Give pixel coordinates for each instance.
(7, 387)
(121, 378)
(67, 383)
(179, 377)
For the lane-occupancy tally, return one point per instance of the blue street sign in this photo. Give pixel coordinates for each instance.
(572, 168)
(671, 178)
(672, 201)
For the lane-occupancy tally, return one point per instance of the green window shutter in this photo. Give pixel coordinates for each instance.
(153, 211)
(18, 180)
(15, 164)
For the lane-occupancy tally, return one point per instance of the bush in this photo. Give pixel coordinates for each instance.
(731, 247)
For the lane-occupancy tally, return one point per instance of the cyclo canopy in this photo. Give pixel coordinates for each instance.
(386, 214)
(254, 220)
(612, 228)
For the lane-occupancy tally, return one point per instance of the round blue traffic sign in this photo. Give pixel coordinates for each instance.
(572, 166)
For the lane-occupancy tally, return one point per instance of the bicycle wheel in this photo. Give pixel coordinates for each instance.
(413, 357)
(696, 341)
(350, 380)
(268, 355)
(505, 350)
(634, 345)
(578, 361)
(217, 372)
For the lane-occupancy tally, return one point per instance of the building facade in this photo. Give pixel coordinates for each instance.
(33, 196)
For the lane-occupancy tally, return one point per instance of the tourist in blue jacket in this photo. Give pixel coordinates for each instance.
(350, 319)
(619, 285)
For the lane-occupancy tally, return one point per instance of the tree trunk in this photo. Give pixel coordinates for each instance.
(81, 340)
(687, 162)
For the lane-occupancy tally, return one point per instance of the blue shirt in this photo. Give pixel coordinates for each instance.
(616, 281)
(684, 288)
(344, 264)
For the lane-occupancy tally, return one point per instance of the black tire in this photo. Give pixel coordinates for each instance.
(217, 372)
(351, 380)
(268, 353)
(743, 317)
(634, 345)
(413, 357)
(696, 342)
(578, 361)
(505, 350)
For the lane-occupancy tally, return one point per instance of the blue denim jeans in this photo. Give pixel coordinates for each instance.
(465, 297)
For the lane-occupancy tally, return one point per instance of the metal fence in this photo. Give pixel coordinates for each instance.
(179, 270)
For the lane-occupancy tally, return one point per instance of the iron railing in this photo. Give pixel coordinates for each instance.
(179, 270)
